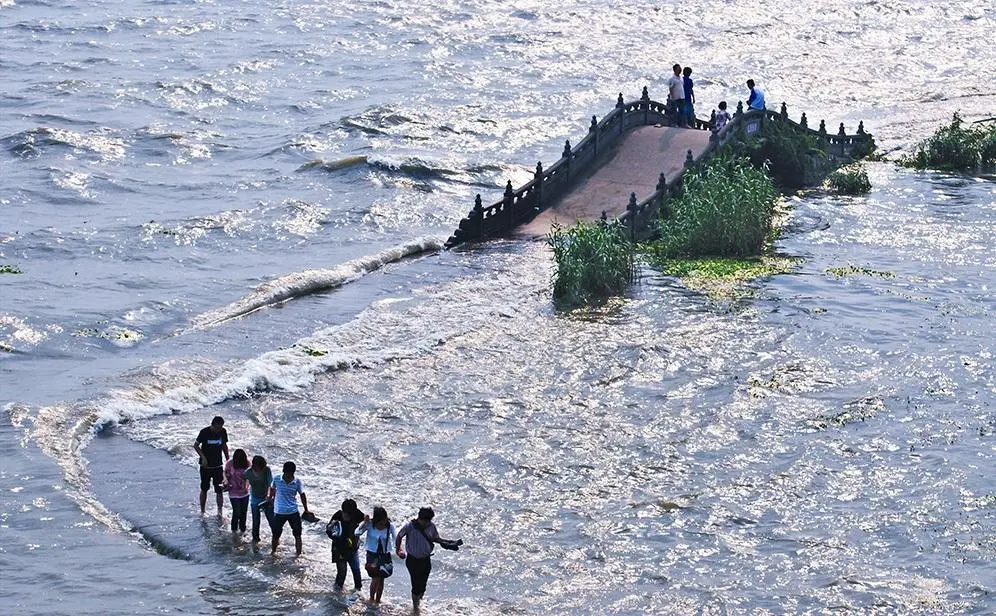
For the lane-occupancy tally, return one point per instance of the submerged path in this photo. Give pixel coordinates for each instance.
(633, 167)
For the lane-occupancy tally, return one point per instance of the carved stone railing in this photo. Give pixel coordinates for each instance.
(518, 206)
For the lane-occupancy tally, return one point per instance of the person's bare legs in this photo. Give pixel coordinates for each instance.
(380, 589)
(204, 499)
(297, 544)
(220, 498)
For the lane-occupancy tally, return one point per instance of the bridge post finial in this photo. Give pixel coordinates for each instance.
(567, 149)
(619, 101)
(823, 127)
(689, 159)
(712, 120)
(539, 169)
(478, 216)
(802, 121)
(508, 204)
(509, 191)
(861, 127)
(605, 216)
(785, 113)
(661, 182)
(594, 124)
(842, 132)
(631, 207)
(646, 94)
(740, 107)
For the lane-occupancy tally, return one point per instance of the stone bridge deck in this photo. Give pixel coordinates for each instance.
(634, 165)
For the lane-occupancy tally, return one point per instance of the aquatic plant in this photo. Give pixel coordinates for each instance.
(9, 269)
(593, 261)
(724, 278)
(956, 147)
(849, 180)
(724, 209)
(794, 159)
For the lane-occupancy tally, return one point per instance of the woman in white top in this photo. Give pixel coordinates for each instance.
(380, 538)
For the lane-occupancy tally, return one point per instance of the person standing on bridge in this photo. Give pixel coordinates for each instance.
(676, 97)
(689, 108)
(756, 98)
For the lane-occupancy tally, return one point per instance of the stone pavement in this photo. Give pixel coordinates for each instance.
(634, 166)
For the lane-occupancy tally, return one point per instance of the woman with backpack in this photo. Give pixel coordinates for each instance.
(341, 529)
(380, 538)
(259, 477)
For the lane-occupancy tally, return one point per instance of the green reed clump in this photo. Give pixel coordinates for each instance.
(850, 180)
(794, 159)
(956, 147)
(593, 261)
(724, 209)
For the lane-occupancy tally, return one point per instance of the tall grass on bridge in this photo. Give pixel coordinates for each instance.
(594, 260)
(956, 147)
(724, 210)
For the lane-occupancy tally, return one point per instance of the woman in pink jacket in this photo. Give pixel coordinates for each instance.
(238, 489)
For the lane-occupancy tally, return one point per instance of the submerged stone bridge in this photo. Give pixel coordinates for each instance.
(624, 169)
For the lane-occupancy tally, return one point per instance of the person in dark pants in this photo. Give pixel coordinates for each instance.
(211, 443)
(283, 492)
(419, 535)
(345, 545)
(260, 479)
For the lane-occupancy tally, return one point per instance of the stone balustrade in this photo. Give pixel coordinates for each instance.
(520, 205)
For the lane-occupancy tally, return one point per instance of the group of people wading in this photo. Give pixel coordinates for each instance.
(252, 487)
(681, 99)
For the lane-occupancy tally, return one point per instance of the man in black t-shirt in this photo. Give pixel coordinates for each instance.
(211, 443)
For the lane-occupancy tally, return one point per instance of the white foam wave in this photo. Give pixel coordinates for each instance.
(311, 281)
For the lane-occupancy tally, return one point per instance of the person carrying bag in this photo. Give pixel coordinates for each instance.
(341, 529)
(379, 566)
(419, 535)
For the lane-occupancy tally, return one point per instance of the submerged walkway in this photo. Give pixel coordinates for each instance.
(635, 165)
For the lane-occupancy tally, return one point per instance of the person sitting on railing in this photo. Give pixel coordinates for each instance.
(689, 109)
(756, 98)
(722, 117)
(676, 97)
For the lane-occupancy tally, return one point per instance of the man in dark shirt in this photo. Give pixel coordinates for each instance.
(419, 535)
(211, 443)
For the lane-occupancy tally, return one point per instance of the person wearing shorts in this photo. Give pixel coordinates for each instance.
(211, 444)
(283, 493)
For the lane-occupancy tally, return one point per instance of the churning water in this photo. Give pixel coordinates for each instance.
(233, 208)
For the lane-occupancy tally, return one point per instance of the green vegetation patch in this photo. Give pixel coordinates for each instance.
(793, 158)
(10, 269)
(956, 147)
(310, 352)
(849, 180)
(724, 209)
(852, 270)
(723, 277)
(593, 261)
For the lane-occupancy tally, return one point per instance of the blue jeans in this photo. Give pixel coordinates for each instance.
(255, 506)
(354, 563)
(689, 113)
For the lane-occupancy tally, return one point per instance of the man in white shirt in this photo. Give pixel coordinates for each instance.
(676, 97)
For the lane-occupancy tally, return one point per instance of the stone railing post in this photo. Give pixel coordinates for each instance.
(645, 97)
(661, 190)
(620, 103)
(538, 178)
(802, 121)
(508, 202)
(567, 159)
(645, 103)
(784, 112)
(861, 127)
(593, 129)
(712, 121)
(842, 132)
(689, 159)
(478, 216)
(740, 108)
(823, 128)
(631, 208)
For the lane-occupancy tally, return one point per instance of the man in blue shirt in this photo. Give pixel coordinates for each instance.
(756, 98)
(284, 493)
